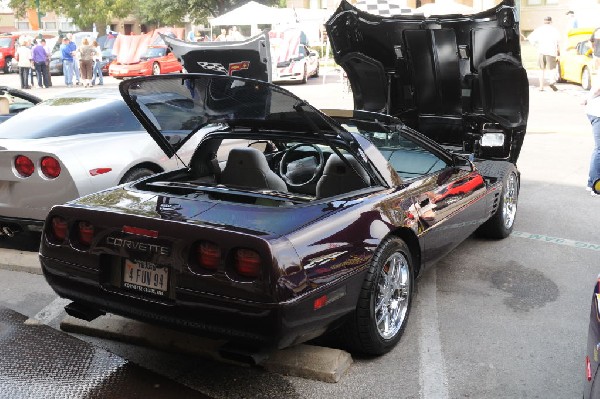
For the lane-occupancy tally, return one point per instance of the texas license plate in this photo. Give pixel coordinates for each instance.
(146, 277)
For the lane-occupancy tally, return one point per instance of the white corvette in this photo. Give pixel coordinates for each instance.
(71, 146)
(298, 66)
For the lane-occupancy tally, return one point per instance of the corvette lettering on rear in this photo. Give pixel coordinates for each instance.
(138, 246)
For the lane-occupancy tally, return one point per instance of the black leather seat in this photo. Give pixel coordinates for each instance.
(248, 167)
(339, 178)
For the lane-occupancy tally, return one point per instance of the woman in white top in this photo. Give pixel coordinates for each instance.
(97, 65)
(24, 62)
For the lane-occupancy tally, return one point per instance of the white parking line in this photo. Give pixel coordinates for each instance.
(557, 240)
(50, 312)
(434, 384)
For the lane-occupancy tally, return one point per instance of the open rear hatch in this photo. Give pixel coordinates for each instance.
(247, 59)
(458, 79)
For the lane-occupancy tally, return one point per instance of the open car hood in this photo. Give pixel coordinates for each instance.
(247, 59)
(458, 79)
(173, 108)
(9, 91)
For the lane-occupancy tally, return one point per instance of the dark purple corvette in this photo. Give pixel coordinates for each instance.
(290, 223)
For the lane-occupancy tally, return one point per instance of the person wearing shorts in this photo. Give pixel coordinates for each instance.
(546, 39)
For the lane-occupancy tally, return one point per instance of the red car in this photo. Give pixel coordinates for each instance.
(155, 61)
(7, 51)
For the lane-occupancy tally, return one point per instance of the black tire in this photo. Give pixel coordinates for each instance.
(7, 62)
(501, 224)
(361, 332)
(586, 79)
(316, 75)
(305, 76)
(135, 174)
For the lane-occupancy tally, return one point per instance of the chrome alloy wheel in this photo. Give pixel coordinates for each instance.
(509, 204)
(392, 295)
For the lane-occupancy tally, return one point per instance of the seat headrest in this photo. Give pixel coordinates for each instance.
(247, 157)
(335, 166)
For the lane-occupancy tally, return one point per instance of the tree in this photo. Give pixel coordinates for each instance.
(154, 12)
(171, 12)
(162, 12)
(84, 14)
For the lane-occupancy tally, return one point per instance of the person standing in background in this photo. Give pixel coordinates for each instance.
(592, 110)
(32, 42)
(67, 50)
(23, 56)
(97, 71)
(76, 56)
(222, 37)
(87, 53)
(48, 55)
(573, 23)
(191, 37)
(546, 39)
(39, 57)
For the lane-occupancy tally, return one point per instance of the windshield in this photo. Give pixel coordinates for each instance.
(5, 42)
(155, 52)
(184, 104)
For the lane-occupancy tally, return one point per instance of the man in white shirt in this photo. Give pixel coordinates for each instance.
(546, 39)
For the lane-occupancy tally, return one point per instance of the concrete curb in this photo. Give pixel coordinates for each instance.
(20, 261)
(306, 361)
(312, 362)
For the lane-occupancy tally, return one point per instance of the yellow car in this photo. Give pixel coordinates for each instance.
(576, 63)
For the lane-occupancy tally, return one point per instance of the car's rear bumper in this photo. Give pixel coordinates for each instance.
(16, 225)
(129, 73)
(257, 325)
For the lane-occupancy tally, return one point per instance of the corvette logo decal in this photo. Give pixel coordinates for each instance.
(217, 67)
(238, 66)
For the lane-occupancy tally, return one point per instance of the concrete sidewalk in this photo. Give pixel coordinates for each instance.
(20, 261)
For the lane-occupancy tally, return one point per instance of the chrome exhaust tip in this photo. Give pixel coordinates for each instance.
(8, 231)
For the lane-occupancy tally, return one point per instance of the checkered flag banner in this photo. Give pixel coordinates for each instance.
(385, 8)
(213, 66)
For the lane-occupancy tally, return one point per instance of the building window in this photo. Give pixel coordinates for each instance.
(22, 25)
(67, 26)
(50, 25)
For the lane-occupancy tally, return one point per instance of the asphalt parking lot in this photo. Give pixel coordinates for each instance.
(494, 319)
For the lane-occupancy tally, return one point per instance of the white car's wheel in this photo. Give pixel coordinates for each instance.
(155, 69)
(586, 79)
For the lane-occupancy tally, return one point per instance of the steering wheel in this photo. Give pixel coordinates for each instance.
(302, 171)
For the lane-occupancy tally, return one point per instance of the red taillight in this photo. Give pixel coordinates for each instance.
(588, 368)
(320, 302)
(208, 255)
(86, 233)
(59, 228)
(50, 167)
(24, 166)
(247, 263)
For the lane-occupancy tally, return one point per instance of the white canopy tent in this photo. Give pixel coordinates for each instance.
(254, 14)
